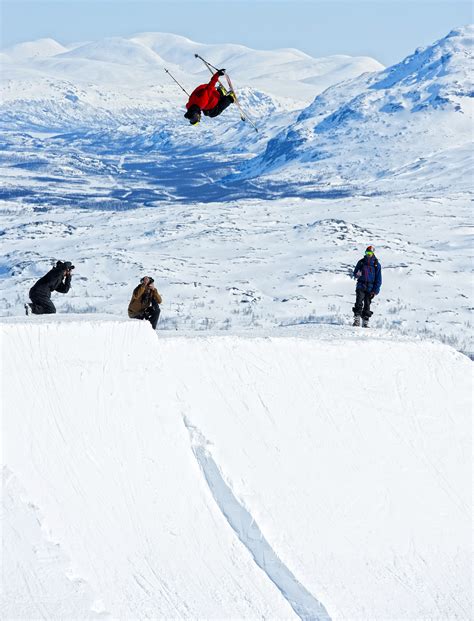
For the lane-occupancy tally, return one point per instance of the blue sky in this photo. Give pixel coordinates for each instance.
(387, 30)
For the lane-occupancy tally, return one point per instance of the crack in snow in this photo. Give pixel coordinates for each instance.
(304, 604)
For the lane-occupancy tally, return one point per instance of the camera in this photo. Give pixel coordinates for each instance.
(65, 265)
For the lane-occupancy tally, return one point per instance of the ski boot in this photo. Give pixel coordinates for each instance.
(231, 94)
(365, 322)
(356, 323)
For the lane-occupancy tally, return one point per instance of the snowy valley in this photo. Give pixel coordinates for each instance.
(99, 166)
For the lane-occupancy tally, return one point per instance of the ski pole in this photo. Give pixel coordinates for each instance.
(206, 62)
(210, 67)
(173, 78)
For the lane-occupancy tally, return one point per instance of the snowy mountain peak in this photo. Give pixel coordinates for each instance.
(385, 125)
(447, 60)
(41, 48)
(128, 64)
(115, 50)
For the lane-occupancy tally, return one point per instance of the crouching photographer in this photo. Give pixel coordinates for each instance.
(145, 302)
(57, 279)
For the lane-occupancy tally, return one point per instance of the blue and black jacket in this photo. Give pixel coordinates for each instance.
(370, 278)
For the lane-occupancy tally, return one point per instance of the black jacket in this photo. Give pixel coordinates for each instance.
(54, 280)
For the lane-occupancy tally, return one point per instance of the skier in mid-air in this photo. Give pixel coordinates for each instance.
(368, 273)
(145, 302)
(57, 279)
(208, 99)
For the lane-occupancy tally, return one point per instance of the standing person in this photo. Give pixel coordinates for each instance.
(145, 302)
(208, 99)
(368, 273)
(57, 279)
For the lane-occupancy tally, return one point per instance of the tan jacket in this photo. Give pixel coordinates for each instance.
(141, 300)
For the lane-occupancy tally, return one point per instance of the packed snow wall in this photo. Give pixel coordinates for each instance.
(314, 476)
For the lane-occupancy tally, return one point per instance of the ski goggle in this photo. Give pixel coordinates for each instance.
(369, 253)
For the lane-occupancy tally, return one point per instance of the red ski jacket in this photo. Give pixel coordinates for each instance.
(205, 95)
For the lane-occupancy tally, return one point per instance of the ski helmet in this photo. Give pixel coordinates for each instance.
(193, 114)
(370, 250)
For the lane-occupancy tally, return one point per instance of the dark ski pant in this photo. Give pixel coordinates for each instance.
(41, 302)
(224, 102)
(151, 314)
(362, 305)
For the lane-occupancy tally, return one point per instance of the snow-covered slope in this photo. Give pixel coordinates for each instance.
(247, 264)
(98, 165)
(313, 475)
(406, 128)
(113, 95)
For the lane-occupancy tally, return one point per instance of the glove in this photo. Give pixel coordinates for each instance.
(221, 72)
(372, 295)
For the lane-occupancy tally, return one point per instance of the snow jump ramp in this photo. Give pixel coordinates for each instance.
(318, 477)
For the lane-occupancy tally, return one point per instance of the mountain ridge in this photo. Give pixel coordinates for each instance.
(281, 72)
(370, 123)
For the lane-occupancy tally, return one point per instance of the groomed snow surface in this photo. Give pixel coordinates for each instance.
(315, 474)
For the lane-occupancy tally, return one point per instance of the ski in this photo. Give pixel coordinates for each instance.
(243, 115)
